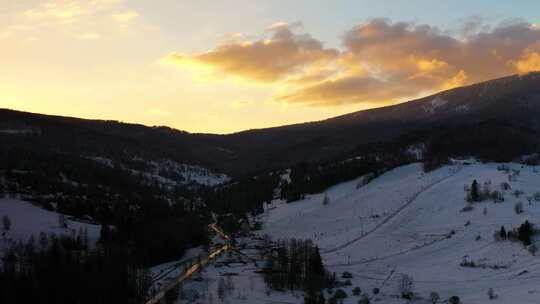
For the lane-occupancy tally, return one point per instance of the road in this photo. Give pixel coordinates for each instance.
(220, 232)
(196, 267)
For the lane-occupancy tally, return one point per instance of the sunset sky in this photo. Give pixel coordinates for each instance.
(225, 66)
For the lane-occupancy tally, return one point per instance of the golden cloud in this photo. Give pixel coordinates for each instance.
(283, 55)
(67, 10)
(530, 61)
(78, 19)
(380, 61)
(54, 10)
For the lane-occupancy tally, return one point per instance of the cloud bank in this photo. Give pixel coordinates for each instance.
(379, 62)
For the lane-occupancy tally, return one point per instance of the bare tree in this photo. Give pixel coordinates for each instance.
(406, 285)
(229, 284)
(326, 200)
(491, 294)
(434, 297)
(364, 300)
(518, 208)
(533, 249)
(221, 289)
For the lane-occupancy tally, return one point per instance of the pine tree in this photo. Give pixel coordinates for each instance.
(475, 192)
(326, 200)
(6, 222)
(502, 234)
(525, 233)
(317, 266)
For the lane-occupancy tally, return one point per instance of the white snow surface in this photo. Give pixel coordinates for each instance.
(158, 172)
(243, 284)
(433, 105)
(409, 222)
(27, 220)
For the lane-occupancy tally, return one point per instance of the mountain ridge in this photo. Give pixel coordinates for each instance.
(513, 99)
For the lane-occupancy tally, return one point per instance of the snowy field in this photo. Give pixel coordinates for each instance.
(240, 281)
(410, 222)
(27, 220)
(403, 222)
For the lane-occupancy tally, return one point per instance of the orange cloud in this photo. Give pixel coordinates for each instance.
(530, 61)
(284, 54)
(380, 62)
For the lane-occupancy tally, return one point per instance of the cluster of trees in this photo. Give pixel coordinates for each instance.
(244, 195)
(66, 270)
(477, 193)
(296, 264)
(490, 140)
(523, 233)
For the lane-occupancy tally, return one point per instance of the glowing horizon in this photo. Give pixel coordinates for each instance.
(196, 66)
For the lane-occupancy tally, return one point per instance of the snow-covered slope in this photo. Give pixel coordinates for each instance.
(169, 173)
(27, 220)
(410, 222)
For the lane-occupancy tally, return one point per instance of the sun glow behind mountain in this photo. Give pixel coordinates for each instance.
(208, 67)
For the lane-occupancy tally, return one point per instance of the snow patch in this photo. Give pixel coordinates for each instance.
(28, 220)
(433, 105)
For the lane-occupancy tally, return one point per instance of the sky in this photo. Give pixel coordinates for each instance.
(227, 66)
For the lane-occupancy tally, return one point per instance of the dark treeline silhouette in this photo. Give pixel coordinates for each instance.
(296, 264)
(491, 140)
(243, 195)
(524, 233)
(157, 223)
(308, 178)
(65, 270)
(315, 177)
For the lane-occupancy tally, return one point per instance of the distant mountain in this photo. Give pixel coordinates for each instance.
(502, 111)
(504, 106)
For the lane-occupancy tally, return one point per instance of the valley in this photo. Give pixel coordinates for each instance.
(379, 199)
(405, 221)
(269, 152)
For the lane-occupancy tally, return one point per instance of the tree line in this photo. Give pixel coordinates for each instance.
(66, 269)
(296, 264)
